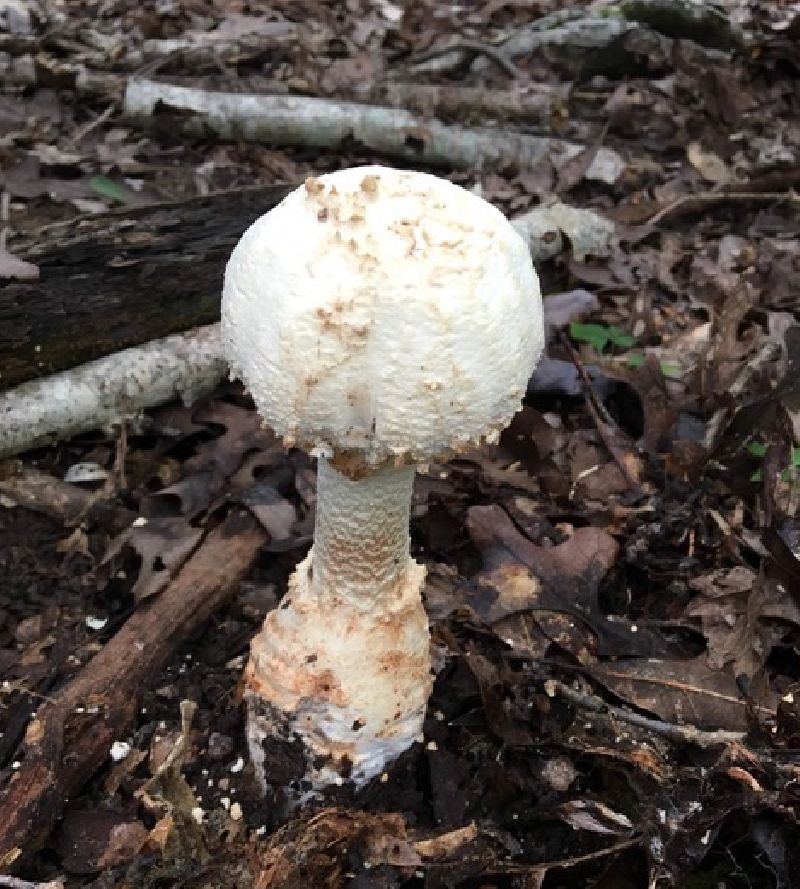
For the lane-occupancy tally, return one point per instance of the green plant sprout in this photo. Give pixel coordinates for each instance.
(600, 336)
(759, 450)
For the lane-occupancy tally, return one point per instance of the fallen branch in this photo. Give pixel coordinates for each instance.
(110, 390)
(68, 504)
(569, 29)
(471, 49)
(14, 883)
(323, 123)
(696, 203)
(33, 489)
(685, 734)
(71, 735)
(525, 102)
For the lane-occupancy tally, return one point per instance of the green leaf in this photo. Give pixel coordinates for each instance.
(634, 359)
(757, 449)
(596, 335)
(599, 335)
(670, 370)
(114, 191)
(620, 338)
(795, 456)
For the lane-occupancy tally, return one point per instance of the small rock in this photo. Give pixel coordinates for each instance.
(119, 750)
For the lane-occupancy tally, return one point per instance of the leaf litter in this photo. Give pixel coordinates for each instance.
(612, 588)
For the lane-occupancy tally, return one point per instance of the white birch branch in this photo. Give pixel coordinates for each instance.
(110, 390)
(323, 123)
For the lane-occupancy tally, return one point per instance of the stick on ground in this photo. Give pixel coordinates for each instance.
(324, 123)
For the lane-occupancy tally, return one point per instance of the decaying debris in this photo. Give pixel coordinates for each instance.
(319, 850)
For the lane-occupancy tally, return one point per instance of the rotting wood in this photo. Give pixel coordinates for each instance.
(68, 504)
(121, 278)
(325, 123)
(36, 490)
(72, 733)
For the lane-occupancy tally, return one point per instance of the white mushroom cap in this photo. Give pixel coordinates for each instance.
(380, 314)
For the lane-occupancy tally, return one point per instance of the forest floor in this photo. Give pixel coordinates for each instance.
(629, 721)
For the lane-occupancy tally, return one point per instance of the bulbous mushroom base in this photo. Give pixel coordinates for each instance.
(337, 690)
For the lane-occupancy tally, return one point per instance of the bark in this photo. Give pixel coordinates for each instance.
(324, 123)
(120, 279)
(70, 737)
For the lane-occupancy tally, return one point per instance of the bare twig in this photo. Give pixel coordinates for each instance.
(695, 203)
(604, 423)
(470, 49)
(681, 733)
(566, 863)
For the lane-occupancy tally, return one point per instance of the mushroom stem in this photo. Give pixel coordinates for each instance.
(343, 663)
(361, 535)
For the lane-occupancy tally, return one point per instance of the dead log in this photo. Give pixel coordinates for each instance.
(120, 279)
(72, 733)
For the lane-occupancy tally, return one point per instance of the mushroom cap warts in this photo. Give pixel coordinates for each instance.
(382, 315)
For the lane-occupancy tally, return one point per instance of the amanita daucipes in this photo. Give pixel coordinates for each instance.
(380, 318)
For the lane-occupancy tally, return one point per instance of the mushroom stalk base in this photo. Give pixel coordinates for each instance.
(339, 676)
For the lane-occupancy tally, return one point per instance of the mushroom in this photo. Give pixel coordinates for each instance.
(380, 318)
